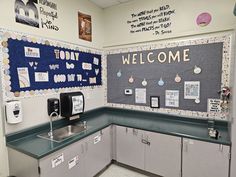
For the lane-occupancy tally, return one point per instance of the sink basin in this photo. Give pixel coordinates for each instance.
(63, 133)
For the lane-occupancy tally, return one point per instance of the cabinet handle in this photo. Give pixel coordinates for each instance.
(185, 146)
(82, 148)
(86, 146)
(146, 142)
(126, 130)
(221, 147)
(135, 132)
(101, 133)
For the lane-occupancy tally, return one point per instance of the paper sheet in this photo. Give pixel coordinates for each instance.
(172, 98)
(41, 76)
(23, 75)
(140, 95)
(192, 90)
(214, 105)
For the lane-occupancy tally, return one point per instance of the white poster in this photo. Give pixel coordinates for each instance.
(172, 98)
(140, 95)
(192, 90)
(23, 76)
(41, 76)
(214, 105)
(78, 104)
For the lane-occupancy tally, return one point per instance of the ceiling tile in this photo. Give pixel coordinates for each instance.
(108, 3)
(105, 3)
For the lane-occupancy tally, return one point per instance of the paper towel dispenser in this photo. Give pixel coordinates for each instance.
(72, 104)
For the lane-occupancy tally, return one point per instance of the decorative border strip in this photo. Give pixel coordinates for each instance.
(225, 80)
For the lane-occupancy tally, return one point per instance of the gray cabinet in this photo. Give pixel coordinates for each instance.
(163, 154)
(98, 151)
(203, 159)
(129, 149)
(67, 162)
(84, 158)
(156, 153)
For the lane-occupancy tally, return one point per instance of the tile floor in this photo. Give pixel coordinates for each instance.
(117, 171)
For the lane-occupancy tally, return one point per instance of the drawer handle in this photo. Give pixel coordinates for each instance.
(146, 142)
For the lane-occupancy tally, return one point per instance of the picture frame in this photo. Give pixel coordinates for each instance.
(155, 101)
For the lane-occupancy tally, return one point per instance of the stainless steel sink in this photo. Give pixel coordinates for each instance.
(63, 133)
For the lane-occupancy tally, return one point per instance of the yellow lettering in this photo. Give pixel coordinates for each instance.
(76, 56)
(186, 55)
(126, 60)
(161, 59)
(67, 55)
(174, 57)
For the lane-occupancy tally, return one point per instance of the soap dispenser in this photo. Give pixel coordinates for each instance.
(13, 112)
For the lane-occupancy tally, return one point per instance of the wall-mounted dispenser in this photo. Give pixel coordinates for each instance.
(13, 112)
(72, 104)
(53, 106)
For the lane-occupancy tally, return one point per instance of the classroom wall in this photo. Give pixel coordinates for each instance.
(34, 108)
(183, 20)
(68, 32)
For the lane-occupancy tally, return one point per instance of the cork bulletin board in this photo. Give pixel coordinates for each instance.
(169, 72)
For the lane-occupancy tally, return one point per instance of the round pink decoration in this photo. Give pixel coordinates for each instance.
(203, 19)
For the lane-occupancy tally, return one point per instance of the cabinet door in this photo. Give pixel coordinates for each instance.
(203, 159)
(129, 147)
(67, 162)
(163, 155)
(98, 151)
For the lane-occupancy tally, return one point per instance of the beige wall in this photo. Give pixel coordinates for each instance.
(67, 21)
(109, 29)
(34, 109)
(183, 22)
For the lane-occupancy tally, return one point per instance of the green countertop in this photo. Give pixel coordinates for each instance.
(27, 141)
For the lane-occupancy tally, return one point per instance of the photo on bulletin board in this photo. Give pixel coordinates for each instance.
(85, 27)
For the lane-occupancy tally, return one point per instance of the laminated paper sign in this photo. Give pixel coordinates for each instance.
(191, 90)
(140, 95)
(214, 105)
(23, 76)
(172, 98)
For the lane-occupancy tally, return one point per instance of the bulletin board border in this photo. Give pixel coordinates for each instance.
(7, 95)
(224, 37)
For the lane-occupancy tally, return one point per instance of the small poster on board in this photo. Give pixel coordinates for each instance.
(140, 95)
(154, 101)
(191, 90)
(23, 76)
(172, 98)
(85, 27)
(214, 105)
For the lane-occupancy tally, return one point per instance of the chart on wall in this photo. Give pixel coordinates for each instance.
(36, 65)
(185, 75)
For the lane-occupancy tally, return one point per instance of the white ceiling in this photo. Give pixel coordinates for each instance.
(107, 3)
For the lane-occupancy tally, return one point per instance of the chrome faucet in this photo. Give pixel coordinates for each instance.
(50, 133)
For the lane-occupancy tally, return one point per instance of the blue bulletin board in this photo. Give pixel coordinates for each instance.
(35, 66)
